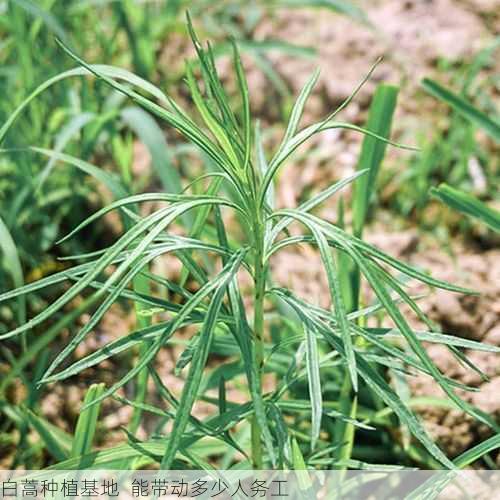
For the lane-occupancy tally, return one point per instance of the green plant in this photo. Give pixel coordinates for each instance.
(455, 198)
(453, 152)
(214, 258)
(464, 108)
(41, 200)
(468, 205)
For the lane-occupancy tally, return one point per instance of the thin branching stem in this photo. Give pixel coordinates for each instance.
(258, 329)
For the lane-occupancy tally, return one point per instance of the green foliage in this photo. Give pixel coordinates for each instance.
(281, 426)
(469, 205)
(455, 154)
(40, 198)
(372, 152)
(464, 108)
(454, 198)
(87, 423)
(347, 8)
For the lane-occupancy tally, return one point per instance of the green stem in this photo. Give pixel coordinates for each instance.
(345, 431)
(258, 328)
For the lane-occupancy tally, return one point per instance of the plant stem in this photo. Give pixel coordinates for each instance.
(258, 328)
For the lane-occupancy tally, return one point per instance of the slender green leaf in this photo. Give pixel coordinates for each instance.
(154, 139)
(12, 264)
(465, 108)
(372, 152)
(314, 380)
(469, 205)
(58, 443)
(87, 423)
(108, 71)
(51, 21)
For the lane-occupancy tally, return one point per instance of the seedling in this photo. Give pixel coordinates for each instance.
(333, 343)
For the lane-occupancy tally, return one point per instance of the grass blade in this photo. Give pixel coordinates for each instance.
(49, 19)
(58, 443)
(87, 423)
(345, 7)
(154, 139)
(12, 264)
(464, 108)
(107, 71)
(467, 204)
(372, 152)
